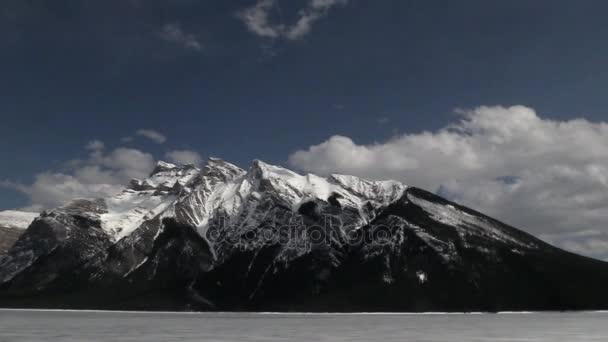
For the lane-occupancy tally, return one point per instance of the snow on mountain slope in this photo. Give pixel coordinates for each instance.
(129, 209)
(351, 191)
(196, 196)
(16, 219)
(166, 175)
(144, 200)
(238, 199)
(467, 224)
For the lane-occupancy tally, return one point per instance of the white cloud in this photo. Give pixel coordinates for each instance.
(257, 18)
(95, 145)
(127, 163)
(184, 157)
(153, 135)
(102, 173)
(98, 176)
(547, 177)
(174, 33)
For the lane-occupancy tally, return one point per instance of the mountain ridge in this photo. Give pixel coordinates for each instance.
(223, 238)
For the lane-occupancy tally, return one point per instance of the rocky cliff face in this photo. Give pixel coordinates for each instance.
(267, 238)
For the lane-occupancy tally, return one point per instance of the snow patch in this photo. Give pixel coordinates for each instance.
(422, 277)
(465, 223)
(128, 210)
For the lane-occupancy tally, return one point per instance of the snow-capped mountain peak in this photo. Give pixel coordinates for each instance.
(294, 187)
(219, 189)
(166, 175)
(225, 232)
(162, 166)
(216, 167)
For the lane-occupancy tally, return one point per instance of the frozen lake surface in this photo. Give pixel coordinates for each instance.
(30, 325)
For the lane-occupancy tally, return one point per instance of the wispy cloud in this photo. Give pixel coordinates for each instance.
(257, 18)
(184, 157)
(95, 145)
(153, 135)
(174, 33)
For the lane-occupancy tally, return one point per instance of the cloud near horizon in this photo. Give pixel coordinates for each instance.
(547, 177)
(101, 174)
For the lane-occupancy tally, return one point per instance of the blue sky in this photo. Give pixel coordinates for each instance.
(266, 78)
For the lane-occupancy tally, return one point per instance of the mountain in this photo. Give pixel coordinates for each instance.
(12, 225)
(269, 239)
